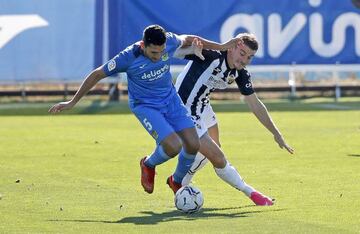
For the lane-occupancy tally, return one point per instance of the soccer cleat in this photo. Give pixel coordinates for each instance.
(261, 200)
(172, 184)
(147, 176)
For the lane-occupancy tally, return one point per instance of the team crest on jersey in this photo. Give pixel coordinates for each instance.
(154, 134)
(165, 57)
(230, 79)
(111, 65)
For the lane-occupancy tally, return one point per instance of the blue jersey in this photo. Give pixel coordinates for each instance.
(148, 82)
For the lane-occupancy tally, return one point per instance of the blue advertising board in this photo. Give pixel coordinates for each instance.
(46, 40)
(304, 32)
(65, 39)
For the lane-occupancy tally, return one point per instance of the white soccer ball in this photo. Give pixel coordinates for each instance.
(189, 199)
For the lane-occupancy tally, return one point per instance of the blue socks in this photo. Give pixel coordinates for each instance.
(185, 161)
(159, 156)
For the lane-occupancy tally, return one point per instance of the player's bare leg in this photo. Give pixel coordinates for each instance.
(213, 132)
(256, 197)
(228, 173)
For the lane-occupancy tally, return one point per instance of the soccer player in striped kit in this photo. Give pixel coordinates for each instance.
(195, 84)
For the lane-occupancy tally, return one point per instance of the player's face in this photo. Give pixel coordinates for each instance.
(242, 56)
(154, 52)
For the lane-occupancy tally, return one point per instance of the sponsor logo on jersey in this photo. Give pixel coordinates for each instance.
(155, 74)
(248, 85)
(165, 57)
(111, 65)
(142, 66)
(216, 82)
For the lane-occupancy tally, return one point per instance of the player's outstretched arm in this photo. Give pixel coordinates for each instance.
(260, 111)
(195, 48)
(94, 77)
(210, 45)
(282, 144)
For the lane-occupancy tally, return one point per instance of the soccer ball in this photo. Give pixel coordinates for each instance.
(189, 199)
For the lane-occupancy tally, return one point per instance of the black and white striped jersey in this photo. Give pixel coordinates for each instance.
(201, 77)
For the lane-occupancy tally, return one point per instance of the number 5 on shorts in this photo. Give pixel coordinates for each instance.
(147, 124)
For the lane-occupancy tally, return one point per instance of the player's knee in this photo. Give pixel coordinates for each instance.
(172, 151)
(193, 146)
(172, 147)
(219, 161)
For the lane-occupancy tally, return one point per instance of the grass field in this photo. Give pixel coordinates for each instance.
(79, 172)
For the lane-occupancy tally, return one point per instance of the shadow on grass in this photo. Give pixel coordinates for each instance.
(354, 155)
(152, 218)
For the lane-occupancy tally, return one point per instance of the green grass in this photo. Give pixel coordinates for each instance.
(79, 172)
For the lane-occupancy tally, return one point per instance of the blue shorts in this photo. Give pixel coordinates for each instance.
(162, 121)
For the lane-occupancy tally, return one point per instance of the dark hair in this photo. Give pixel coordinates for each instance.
(154, 34)
(249, 40)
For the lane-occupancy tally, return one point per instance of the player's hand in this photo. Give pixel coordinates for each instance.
(60, 107)
(198, 47)
(231, 43)
(282, 144)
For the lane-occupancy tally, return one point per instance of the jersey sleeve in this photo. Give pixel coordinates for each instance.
(173, 42)
(244, 83)
(208, 55)
(120, 62)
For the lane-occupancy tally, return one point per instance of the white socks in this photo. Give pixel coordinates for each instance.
(200, 162)
(230, 175)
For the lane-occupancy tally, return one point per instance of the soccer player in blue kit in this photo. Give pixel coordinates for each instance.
(153, 98)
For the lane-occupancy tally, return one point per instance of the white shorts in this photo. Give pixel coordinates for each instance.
(207, 120)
